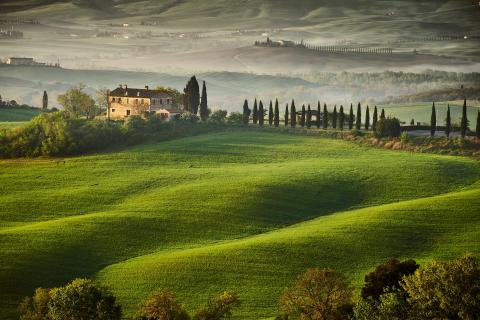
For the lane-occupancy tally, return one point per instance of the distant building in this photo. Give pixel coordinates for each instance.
(15, 61)
(125, 102)
(10, 34)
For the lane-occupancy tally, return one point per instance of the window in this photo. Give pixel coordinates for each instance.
(128, 112)
(136, 100)
(168, 101)
(161, 101)
(113, 110)
(128, 100)
(143, 101)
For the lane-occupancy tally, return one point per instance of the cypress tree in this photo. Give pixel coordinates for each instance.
(204, 104)
(270, 114)
(367, 118)
(448, 123)
(293, 115)
(302, 119)
(464, 122)
(358, 124)
(433, 121)
(325, 116)
(255, 112)
(44, 101)
(350, 118)
(246, 113)
(382, 115)
(341, 119)
(276, 117)
(375, 119)
(478, 125)
(318, 115)
(193, 95)
(261, 114)
(309, 117)
(286, 116)
(334, 117)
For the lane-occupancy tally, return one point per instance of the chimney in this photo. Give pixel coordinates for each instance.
(126, 87)
(120, 86)
(146, 88)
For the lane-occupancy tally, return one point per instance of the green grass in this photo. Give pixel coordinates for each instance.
(238, 210)
(17, 115)
(11, 125)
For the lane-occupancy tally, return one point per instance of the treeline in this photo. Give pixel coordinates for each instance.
(448, 94)
(393, 290)
(345, 49)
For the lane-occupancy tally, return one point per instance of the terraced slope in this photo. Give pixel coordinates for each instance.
(240, 210)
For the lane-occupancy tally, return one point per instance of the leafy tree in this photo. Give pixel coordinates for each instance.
(478, 125)
(334, 117)
(341, 120)
(293, 115)
(318, 294)
(261, 114)
(388, 127)
(433, 121)
(188, 117)
(350, 118)
(162, 305)
(325, 116)
(255, 112)
(309, 117)
(204, 104)
(387, 276)
(358, 124)
(235, 118)
(270, 114)
(218, 117)
(246, 113)
(36, 307)
(464, 121)
(367, 118)
(82, 299)
(445, 290)
(382, 115)
(302, 119)
(318, 115)
(77, 103)
(276, 117)
(286, 115)
(219, 307)
(448, 122)
(375, 119)
(390, 306)
(101, 99)
(45, 101)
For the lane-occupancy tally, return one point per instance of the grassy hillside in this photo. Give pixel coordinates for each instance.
(227, 210)
(17, 114)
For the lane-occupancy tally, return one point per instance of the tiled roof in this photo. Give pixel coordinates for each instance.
(138, 93)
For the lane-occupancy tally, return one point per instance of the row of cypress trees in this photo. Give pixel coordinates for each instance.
(324, 119)
(448, 121)
(193, 100)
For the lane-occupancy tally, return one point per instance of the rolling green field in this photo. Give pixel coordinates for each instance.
(239, 210)
(17, 114)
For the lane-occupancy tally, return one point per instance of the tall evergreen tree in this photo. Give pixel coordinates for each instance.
(433, 121)
(276, 117)
(309, 117)
(334, 117)
(270, 114)
(44, 101)
(286, 116)
(375, 119)
(192, 95)
(448, 123)
(478, 125)
(293, 115)
(367, 118)
(464, 122)
(358, 124)
(261, 114)
(325, 116)
(246, 113)
(341, 120)
(255, 112)
(382, 115)
(350, 118)
(318, 115)
(302, 119)
(204, 104)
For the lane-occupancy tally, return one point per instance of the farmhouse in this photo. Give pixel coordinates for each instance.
(124, 102)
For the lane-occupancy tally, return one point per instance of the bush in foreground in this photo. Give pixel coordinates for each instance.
(388, 127)
(162, 305)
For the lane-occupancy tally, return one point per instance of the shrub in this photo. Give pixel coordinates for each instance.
(388, 127)
(318, 294)
(188, 117)
(390, 305)
(218, 308)
(218, 117)
(235, 118)
(162, 305)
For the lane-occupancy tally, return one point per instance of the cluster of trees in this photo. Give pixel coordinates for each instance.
(323, 118)
(448, 122)
(84, 299)
(395, 290)
(192, 99)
